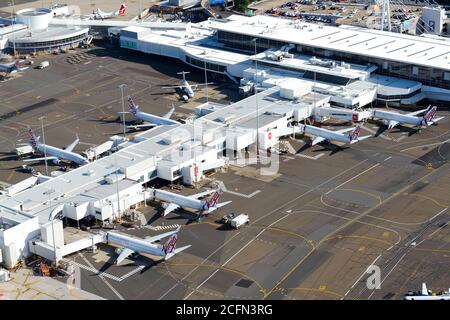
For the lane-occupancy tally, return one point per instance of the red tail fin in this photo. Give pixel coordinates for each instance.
(355, 133)
(170, 245)
(32, 137)
(122, 9)
(132, 106)
(428, 117)
(213, 200)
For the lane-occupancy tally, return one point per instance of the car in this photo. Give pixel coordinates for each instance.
(227, 218)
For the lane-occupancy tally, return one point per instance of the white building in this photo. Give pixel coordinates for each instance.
(432, 20)
(333, 56)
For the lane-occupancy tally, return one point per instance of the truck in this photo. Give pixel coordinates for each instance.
(23, 149)
(43, 64)
(239, 221)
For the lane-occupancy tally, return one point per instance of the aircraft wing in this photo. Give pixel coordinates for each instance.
(345, 130)
(178, 250)
(172, 87)
(195, 86)
(392, 124)
(171, 207)
(161, 236)
(42, 159)
(219, 205)
(71, 146)
(202, 194)
(123, 255)
(169, 114)
(138, 126)
(436, 120)
(360, 139)
(317, 140)
(415, 113)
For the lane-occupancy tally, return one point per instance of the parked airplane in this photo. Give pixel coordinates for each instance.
(147, 117)
(11, 67)
(133, 245)
(174, 201)
(186, 90)
(392, 119)
(100, 15)
(56, 155)
(426, 294)
(319, 135)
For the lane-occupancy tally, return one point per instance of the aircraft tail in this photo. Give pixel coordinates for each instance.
(429, 116)
(169, 246)
(184, 73)
(134, 108)
(33, 139)
(424, 289)
(212, 200)
(122, 9)
(353, 135)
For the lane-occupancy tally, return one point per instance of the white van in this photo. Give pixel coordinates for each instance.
(43, 64)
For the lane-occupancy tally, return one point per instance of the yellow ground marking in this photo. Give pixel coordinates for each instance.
(346, 225)
(427, 198)
(386, 234)
(10, 175)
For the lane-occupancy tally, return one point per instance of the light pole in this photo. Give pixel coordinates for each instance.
(206, 77)
(117, 184)
(256, 100)
(14, 33)
(43, 141)
(123, 110)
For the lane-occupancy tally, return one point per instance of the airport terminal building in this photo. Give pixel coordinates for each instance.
(33, 32)
(347, 60)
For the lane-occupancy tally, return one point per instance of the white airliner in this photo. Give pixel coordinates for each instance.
(392, 119)
(185, 89)
(100, 15)
(147, 117)
(56, 155)
(173, 201)
(319, 135)
(132, 245)
(426, 294)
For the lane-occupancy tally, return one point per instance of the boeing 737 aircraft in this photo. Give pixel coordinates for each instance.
(392, 119)
(147, 117)
(426, 294)
(100, 15)
(56, 155)
(185, 89)
(319, 135)
(133, 245)
(174, 201)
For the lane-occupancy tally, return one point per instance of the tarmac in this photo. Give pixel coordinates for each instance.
(316, 224)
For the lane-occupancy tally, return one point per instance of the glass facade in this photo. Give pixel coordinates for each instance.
(426, 75)
(209, 66)
(244, 42)
(48, 44)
